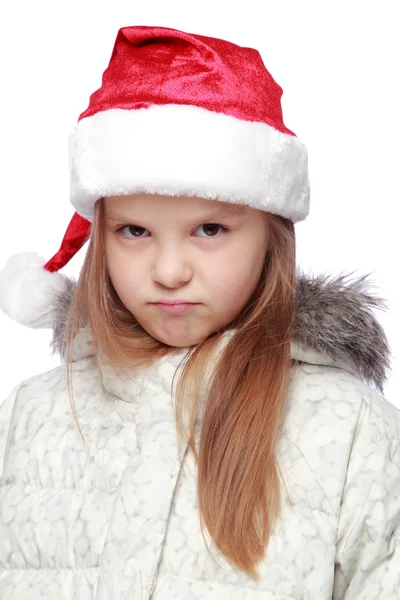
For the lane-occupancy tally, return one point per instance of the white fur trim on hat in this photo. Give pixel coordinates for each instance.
(177, 149)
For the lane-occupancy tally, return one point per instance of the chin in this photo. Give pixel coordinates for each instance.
(185, 343)
(181, 344)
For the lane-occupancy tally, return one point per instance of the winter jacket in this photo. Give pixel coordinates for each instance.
(120, 522)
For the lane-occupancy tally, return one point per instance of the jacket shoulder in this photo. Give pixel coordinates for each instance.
(328, 391)
(41, 398)
(376, 418)
(34, 391)
(330, 415)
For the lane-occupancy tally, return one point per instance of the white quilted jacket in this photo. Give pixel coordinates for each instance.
(121, 523)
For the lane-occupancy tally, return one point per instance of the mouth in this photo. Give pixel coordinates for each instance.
(174, 308)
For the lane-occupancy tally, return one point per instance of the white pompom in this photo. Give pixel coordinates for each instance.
(27, 290)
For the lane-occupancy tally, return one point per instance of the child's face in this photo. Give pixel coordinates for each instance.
(166, 247)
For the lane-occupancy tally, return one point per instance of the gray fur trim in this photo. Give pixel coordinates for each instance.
(335, 317)
(332, 316)
(60, 307)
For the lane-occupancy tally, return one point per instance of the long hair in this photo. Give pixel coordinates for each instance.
(239, 493)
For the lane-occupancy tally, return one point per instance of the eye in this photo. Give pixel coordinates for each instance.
(132, 227)
(210, 227)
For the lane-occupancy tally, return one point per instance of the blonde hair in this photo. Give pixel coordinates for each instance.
(246, 396)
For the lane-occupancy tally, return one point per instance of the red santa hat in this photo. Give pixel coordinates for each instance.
(177, 114)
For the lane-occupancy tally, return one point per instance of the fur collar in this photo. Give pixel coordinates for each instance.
(334, 324)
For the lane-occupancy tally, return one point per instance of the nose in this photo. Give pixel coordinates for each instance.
(170, 269)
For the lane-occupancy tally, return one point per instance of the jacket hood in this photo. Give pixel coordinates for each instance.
(334, 325)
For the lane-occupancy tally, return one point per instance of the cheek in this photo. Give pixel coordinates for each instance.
(232, 279)
(123, 272)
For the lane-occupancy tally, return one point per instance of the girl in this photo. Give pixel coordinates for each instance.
(217, 427)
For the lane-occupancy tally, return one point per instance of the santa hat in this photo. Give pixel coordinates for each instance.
(177, 114)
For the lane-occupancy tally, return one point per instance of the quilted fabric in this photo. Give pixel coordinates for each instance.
(121, 521)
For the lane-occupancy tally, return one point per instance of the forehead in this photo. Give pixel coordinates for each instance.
(123, 206)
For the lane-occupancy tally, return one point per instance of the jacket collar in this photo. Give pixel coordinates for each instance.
(334, 326)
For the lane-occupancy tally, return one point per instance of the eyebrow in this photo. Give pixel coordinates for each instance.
(217, 213)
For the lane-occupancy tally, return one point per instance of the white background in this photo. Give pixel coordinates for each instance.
(337, 63)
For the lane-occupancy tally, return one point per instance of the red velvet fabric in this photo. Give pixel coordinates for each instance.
(77, 234)
(159, 65)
